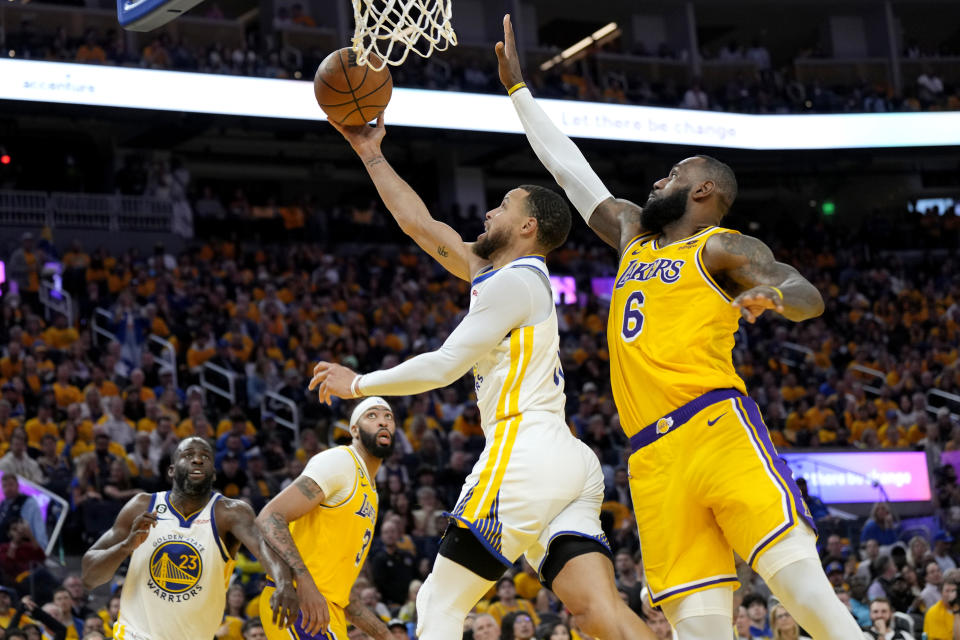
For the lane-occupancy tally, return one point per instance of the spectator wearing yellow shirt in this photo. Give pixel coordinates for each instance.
(90, 51)
(527, 582)
(186, 426)
(815, 415)
(44, 367)
(43, 424)
(201, 349)
(861, 423)
(891, 426)
(791, 391)
(241, 346)
(136, 395)
(919, 430)
(236, 422)
(940, 622)
(309, 445)
(468, 422)
(60, 336)
(110, 613)
(84, 426)
(7, 422)
(65, 393)
(509, 602)
(12, 364)
(152, 414)
(99, 381)
(885, 403)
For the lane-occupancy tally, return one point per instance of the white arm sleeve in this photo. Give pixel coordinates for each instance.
(560, 156)
(511, 299)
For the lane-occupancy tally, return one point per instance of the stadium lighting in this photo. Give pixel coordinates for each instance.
(607, 32)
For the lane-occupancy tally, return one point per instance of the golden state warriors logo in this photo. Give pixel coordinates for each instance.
(176, 567)
(663, 425)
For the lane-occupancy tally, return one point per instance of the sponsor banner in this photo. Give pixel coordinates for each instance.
(858, 476)
(79, 84)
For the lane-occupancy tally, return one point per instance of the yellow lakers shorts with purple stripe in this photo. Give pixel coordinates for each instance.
(707, 481)
(336, 630)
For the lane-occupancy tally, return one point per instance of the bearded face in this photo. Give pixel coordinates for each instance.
(493, 241)
(659, 211)
(370, 439)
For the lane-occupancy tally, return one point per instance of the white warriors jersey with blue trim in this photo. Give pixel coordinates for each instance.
(176, 586)
(523, 372)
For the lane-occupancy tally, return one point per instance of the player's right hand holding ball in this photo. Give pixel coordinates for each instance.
(364, 139)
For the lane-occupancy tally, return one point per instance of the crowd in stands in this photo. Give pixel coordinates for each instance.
(95, 420)
(762, 87)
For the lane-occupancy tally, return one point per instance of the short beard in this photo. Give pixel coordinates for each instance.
(186, 486)
(374, 448)
(491, 243)
(659, 212)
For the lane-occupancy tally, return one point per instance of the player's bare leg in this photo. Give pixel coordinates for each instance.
(587, 587)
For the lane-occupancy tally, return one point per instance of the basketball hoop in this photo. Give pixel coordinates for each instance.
(393, 28)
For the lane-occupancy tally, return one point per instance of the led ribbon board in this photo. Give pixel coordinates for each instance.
(79, 84)
(858, 476)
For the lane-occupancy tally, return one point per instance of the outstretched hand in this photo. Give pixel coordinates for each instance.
(363, 138)
(753, 302)
(332, 380)
(507, 57)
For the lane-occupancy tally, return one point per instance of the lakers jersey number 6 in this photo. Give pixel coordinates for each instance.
(670, 330)
(176, 584)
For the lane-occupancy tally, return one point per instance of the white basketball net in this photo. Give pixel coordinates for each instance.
(392, 29)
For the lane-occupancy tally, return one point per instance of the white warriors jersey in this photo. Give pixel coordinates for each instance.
(176, 586)
(523, 372)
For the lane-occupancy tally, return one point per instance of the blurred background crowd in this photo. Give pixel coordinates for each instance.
(92, 411)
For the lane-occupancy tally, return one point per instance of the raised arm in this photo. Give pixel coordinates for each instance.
(101, 561)
(438, 239)
(746, 268)
(298, 499)
(615, 221)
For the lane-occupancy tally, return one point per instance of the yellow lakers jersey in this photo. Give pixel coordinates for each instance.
(334, 539)
(670, 330)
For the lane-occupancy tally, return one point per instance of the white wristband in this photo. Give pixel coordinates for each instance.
(355, 386)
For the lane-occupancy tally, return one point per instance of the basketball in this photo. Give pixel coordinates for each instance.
(348, 93)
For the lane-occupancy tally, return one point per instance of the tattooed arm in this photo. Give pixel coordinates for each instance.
(745, 268)
(366, 620)
(302, 496)
(439, 240)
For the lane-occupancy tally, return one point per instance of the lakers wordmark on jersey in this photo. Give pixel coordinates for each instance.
(670, 330)
(333, 538)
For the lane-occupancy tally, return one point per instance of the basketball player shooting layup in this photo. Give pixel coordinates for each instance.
(705, 478)
(181, 545)
(322, 526)
(535, 490)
